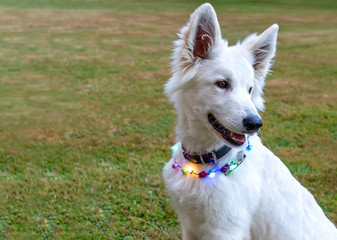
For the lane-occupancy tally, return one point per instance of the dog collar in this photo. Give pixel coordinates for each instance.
(225, 169)
(203, 158)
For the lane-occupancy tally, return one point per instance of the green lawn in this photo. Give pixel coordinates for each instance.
(85, 128)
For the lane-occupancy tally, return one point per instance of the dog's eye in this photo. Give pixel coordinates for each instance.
(250, 90)
(222, 84)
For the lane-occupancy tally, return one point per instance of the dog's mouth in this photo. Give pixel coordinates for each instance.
(234, 138)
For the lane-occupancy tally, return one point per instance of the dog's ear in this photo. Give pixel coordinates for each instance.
(200, 34)
(203, 32)
(197, 37)
(262, 49)
(196, 41)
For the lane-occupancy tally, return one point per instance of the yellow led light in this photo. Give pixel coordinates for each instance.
(190, 170)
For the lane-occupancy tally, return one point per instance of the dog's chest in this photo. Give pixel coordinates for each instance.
(222, 200)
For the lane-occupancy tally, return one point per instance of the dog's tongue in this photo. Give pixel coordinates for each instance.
(238, 137)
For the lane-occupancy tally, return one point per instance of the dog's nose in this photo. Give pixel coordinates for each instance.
(252, 123)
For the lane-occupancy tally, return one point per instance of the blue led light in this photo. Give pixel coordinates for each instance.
(211, 175)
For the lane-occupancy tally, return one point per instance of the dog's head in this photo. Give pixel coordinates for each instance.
(218, 84)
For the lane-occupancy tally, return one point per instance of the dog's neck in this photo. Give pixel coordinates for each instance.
(193, 133)
(198, 142)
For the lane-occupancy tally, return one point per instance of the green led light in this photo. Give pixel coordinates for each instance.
(232, 167)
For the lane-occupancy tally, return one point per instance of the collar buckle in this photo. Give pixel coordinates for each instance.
(214, 158)
(201, 158)
(208, 157)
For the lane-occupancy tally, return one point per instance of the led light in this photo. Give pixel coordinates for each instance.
(175, 147)
(175, 165)
(202, 174)
(190, 170)
(212, 174)
(233, 166)
(249, 147)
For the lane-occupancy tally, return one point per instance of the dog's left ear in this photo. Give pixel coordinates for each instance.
(262, 49)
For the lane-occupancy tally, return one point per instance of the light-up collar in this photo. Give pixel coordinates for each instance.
(225, 169)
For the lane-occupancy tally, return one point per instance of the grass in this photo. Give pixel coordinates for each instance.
(85, 127)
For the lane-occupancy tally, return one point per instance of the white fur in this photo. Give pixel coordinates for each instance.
(261, 199)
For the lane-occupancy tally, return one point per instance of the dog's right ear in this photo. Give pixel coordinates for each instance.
(197, 39)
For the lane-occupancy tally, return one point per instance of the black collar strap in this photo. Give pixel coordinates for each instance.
(210, 157)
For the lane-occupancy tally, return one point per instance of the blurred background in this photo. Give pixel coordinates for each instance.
(85, 128)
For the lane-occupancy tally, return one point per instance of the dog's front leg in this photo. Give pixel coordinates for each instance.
(188, 235)
(233, 235)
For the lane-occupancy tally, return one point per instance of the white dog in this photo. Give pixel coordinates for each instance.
(217, 92)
